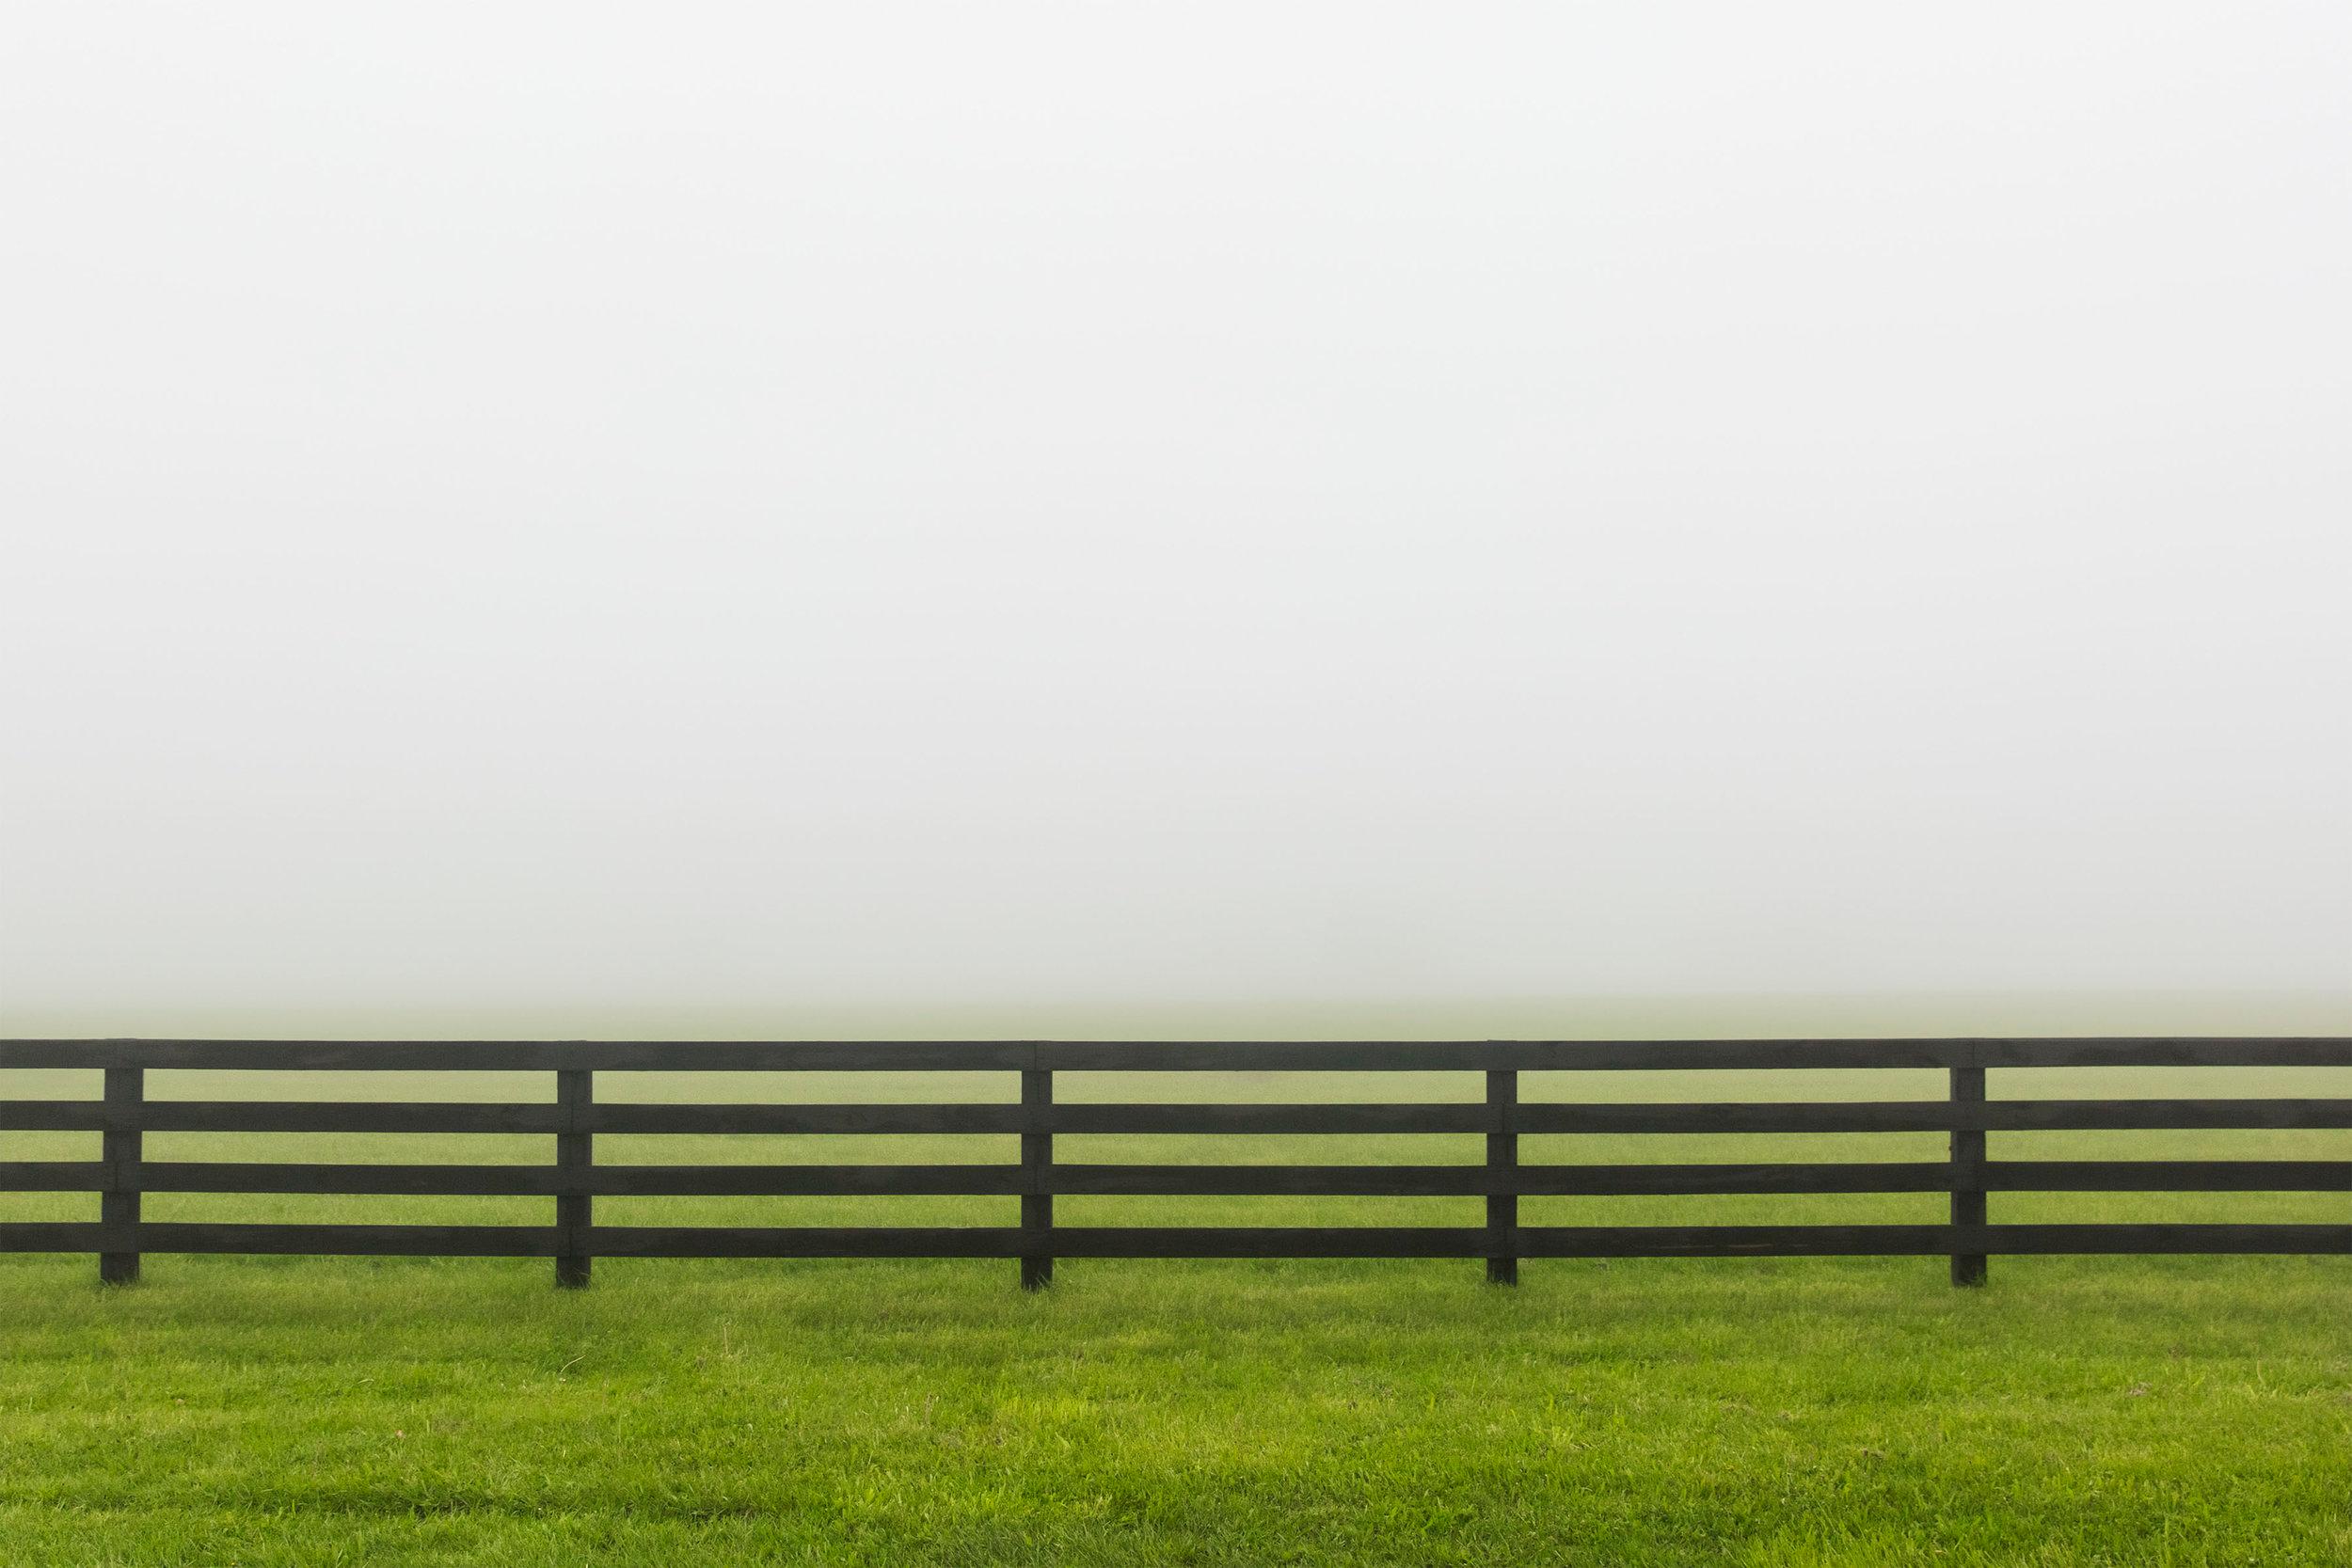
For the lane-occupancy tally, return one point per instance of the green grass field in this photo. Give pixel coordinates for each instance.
(1766, 1412)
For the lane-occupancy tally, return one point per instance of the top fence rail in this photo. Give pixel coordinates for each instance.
(1619, 1056)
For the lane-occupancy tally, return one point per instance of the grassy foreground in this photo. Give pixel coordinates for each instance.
(263, 1411)
(255, 1411)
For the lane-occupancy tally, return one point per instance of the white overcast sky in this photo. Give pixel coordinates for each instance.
(1019, 503)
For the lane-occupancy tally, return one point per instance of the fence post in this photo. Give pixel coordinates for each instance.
(121, 1147)
(575, 1151)
(1503, 1164)
(1968, 1206)
(1037, 1201)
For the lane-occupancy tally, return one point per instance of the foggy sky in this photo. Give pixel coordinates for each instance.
(1007, 505)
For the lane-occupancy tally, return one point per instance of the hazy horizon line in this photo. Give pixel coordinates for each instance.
(1564, 1015)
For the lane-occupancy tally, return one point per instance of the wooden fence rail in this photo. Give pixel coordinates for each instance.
(124, 1114)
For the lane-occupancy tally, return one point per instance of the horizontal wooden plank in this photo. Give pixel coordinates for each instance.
(53, 1176)
(602, 1180)
(238, 1175)
(51, 1116)
(49, 1236)
(2169, 1176)
(2163, 1051)
(1012, 1241)
(295, 1239)
(2132, 1114)
(1613, 1055)
(1266, 1118)
(525, 1055)
(475, 1180)
(257, 1116)
(1129, 1118)
(1252, 1118)
(984, 1179)
(765, 1242)
(1209, 1242)
(1182, 1055)
(1284, 1241)
(1473, 1180)
(2216, 1176)
(1183, 1241)
(1483, 1056)
(1797, 1241)
(1929, 1116)
(1267, 1180)
(164, 1176)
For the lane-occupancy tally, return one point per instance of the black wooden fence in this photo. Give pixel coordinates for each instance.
(575, 1181)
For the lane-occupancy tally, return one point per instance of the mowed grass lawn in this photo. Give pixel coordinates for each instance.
(1792, 1411)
